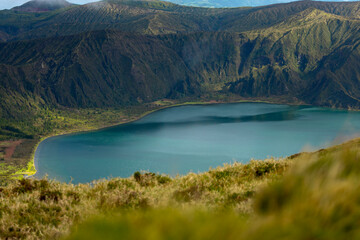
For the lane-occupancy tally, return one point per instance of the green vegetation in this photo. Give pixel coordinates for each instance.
(47, 209)
(231, 3)
(164, 224)
(50, 122)
(307, 196)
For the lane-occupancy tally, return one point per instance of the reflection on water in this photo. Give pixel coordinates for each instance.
(193, 138)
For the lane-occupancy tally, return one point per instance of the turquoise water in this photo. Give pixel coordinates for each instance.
(193, 138)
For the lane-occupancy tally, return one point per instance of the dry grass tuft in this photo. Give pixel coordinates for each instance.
(32, 209)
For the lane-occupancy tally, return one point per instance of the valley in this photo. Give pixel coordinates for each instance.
(60, 66)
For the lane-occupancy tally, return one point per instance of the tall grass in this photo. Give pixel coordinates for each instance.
(33, 209)
(318, 199)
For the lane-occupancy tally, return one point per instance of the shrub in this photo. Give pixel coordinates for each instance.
(163, 179)
(54, 195)
(43, 184)
(150, 179)
(188, 194)
(113, 184)
(264, 168)
(24, 186)
(219, 175)
(234, 198)
(137, 176)
(74, 195)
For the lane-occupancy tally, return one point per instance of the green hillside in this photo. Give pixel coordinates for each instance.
(110, 68)
(154, 17)
(232, 3)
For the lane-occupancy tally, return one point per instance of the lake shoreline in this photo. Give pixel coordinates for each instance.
(33, 164)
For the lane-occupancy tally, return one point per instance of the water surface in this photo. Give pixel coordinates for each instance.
(193, 138)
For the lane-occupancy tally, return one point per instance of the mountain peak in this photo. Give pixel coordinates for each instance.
(314, 13)
(42, 5)
(306, 17)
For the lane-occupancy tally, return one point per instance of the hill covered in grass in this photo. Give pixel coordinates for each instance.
(232, 3)
(154, 17)
(308, 195)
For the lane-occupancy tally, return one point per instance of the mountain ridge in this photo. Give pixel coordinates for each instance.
(42, 6)
(235, 3)
(164, 18)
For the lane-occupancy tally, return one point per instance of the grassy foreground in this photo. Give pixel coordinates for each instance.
(46, 209)
(307, 196)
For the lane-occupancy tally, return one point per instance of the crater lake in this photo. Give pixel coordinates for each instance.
(193, 138)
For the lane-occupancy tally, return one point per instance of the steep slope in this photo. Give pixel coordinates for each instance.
(295, 60)
(297, 56)
(291, 55)
(92, 70)
(148, 19)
